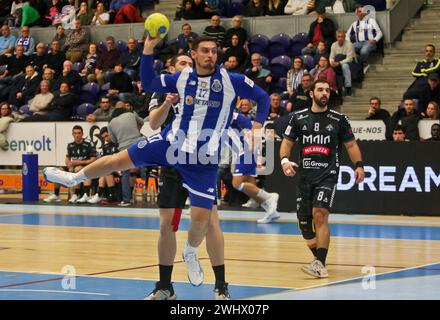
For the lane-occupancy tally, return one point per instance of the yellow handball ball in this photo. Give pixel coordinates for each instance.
(157, 24)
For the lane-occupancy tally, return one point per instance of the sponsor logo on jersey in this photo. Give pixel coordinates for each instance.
(318, 139)
(304, 128)
(189, 100)
(332, 117)
(210, 190)
(249, 82)
(329, 128)
(302, 116)
(308, 163)
(216, 86)
(316, 150)
(288, 130)
(192, 83)
(142, 144)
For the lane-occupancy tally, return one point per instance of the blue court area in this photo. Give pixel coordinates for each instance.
(422, 283)
(236, 226)
(27, 286)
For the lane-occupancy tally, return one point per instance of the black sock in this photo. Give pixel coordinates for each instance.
(57, 191)
(165, 276)
(87, 190)
(101, 192)
(321, 255)
(78, 192)
(314, 251)
(219, 272)
(111, 193)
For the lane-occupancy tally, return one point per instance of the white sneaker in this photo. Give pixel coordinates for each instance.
(161, 294)
(95, 199)
(52, 198)
(251, 204)
(195, 271)
(73, 199)
(55, 175)
(270, 205)
(83, 199)
(316, 269)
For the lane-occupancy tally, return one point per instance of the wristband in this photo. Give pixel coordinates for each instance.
(284, 160)
(359, 164)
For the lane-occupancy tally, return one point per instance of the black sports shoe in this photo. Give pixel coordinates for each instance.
(162, 293)
(221, 291)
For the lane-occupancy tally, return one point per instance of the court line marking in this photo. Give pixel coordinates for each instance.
(340, 281)
(56, 291)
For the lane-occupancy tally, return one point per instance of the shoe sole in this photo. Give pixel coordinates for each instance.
(195, 285)
(306, 271)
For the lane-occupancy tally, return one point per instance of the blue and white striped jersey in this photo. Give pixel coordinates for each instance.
(206, 103)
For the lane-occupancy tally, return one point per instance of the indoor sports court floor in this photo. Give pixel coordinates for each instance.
(113, 254)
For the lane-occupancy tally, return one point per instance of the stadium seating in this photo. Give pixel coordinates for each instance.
(258, 43)
(279, 45)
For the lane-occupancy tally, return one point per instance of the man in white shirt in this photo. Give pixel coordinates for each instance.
(364, 33)
(341, 55)
(296, 7)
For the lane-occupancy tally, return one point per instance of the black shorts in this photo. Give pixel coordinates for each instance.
(171, 192)
(315, 195)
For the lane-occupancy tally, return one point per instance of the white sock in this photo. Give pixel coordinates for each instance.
(263, 195)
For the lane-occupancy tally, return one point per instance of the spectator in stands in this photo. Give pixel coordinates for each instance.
(399, 133)
(120, 84)
(423, 68)
(232, 65)
(16, 66)
(141, 100)
(322, 29)
(84, 14)
(27, 41)
(275, 7)
(429, 92)
(69, 76)
(48, 75)
(90, 61)
(375, 112)
(6, 117)
(60, 36)
(129, 13)
(275, 107)
(247, 109)
(39, 58)
(255, 8)
(344, 6)
(61, 107)
(324, 71)
(435, 133)
(101, 16)
(215, 30)
(7, 43)
(237, 51)
(301, 97)
(294, 75)
(379, 5)
(107, 61)
(432, 111)
(131, 58)
(124, 129)
(17, 4)
(341, 55)
(25, 88)
(182, 39)
(77, 43)
(321, 50)
(364, 33)
(236, 30)
(27, 16)
(53, 9)
(217, 6)
(408, 117)
(40, 103)
(296, 7)
(103, 112)
(201, 10)
(259, 74)
(55, 58)
(185, 12)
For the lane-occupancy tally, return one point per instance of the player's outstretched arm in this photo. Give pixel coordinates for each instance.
(150, 82)
(355, 155)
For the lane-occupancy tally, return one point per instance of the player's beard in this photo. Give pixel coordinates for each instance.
(322, 102)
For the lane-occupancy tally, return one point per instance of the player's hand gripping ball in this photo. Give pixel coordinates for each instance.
(157, 25)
